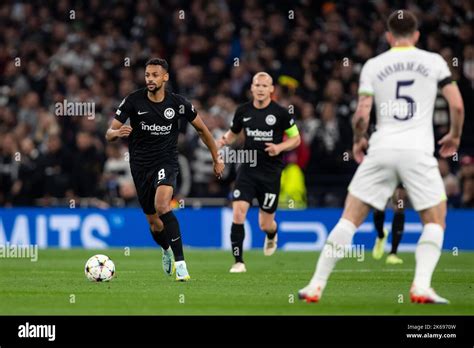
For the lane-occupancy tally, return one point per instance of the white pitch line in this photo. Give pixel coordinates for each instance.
(366, 270)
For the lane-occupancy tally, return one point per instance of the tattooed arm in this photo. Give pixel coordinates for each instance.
(360, 124)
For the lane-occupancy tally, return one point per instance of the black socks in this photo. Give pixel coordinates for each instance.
(379, 219)
(397, 230)
(160, 238)
(397, 227)
(173, 234)
(237, 235)
(271, 236)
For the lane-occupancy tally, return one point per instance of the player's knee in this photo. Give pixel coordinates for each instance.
(355, 210)
(435, 215)
(156, 225)
(239, 215)
(439, 220)
(162, 208)
(239, 218)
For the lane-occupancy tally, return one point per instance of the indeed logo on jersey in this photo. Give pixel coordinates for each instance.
(156, 129)
(259, 135)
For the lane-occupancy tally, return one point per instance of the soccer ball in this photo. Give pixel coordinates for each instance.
(99, 268)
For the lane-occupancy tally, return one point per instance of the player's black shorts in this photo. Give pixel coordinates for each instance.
(147, 180)
(264, 186)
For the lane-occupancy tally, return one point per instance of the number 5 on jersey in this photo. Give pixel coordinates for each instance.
(411, 105)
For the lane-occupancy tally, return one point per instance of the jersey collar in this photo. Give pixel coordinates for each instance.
(402, 48)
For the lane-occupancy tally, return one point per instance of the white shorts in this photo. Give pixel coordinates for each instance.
(382, 170)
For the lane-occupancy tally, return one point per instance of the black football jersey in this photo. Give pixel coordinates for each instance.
(154, 137)
(262, 126)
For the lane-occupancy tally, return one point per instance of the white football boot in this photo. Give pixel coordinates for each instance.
(310, 293)
(182, 274)
(270, 245)
(419, 295)
(167, 261)
(238, 267)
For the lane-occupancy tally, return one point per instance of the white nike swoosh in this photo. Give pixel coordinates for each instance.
(174, 240)
(142, 112)
(247, 118)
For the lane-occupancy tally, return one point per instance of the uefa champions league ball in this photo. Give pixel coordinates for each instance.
(99, 268)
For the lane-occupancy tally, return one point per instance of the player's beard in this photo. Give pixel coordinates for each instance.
(156, 89)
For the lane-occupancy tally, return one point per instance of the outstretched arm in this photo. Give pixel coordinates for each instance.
(207, 138)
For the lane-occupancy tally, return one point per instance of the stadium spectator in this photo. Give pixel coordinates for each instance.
(330, 148)
(467, 180)
(9, 166)
(56, 167)
(97, 56)
(116, 170)
(87, 166)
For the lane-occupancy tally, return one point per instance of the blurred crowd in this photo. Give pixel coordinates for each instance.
(94, 52)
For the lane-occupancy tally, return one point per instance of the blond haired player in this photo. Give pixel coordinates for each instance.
(264, 124)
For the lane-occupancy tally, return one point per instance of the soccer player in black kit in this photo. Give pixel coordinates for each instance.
(264, 123)
(398, 223)
(153, 136)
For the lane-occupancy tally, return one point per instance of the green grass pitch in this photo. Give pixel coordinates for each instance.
(48, 286)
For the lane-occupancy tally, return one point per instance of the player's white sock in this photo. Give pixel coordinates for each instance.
(340, 237)
(427, 254)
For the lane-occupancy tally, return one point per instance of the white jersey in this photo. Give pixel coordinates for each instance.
(404, 83)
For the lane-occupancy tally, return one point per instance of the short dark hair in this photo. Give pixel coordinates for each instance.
(158, 61)
(402, 23)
